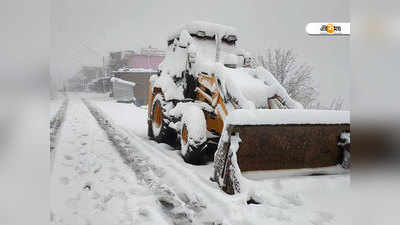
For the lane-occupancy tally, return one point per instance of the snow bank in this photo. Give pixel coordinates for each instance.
(287, 116)
(209, 29)
(118, 80)
(284, 173)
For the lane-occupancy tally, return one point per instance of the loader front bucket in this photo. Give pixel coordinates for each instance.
(289, 146)
(279, 139)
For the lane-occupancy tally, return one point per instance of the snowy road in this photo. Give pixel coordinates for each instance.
(90, 183)
(148, 183)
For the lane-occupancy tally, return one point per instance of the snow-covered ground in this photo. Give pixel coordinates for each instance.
(90, 183)
(93, 184)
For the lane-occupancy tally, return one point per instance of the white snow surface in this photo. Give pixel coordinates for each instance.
(91, 184)
(129, 115)
(287, 116)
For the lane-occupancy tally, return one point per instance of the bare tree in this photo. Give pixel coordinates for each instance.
(336, 104)
(295, 78)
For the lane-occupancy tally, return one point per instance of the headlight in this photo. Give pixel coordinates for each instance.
(231, 38)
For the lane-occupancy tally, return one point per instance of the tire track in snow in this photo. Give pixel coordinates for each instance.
(203, 189)
(196, 190)
(55, 125)
(210, 204)
(173, 206)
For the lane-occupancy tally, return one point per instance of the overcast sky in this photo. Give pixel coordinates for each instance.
(85, 30)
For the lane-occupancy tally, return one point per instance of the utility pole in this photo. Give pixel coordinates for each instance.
(104, 75)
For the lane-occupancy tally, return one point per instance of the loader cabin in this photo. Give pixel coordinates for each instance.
(225, 48)
(226, 40)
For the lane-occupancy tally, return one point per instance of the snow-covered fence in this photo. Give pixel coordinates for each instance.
(123, 91)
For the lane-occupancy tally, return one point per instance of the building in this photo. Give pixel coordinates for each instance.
(136, 68)
(119, 59)
(149, 58)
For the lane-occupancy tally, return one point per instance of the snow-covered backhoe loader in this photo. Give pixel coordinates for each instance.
(207, 97)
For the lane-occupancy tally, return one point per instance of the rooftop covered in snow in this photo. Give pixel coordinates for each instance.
(202, 28)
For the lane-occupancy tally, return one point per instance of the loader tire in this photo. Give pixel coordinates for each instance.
(192, 153)
(157, 128)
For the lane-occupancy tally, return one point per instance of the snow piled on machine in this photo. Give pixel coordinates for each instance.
(171, 68)
(249, 88)
(252, 87)
(209, 29)
(193, 118)
(166, 83)
(289, 116)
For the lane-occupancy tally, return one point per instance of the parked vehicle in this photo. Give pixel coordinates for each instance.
(207, 97)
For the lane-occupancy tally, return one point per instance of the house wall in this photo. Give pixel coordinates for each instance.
(145, 61)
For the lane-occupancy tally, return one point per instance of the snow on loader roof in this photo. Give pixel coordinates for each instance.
(204, 28)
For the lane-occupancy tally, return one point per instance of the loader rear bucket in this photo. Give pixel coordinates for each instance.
(279, 139)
